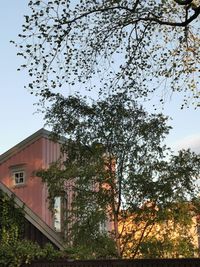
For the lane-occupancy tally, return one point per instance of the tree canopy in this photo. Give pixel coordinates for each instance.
(138, 45)
(117, 164)
(120, 171)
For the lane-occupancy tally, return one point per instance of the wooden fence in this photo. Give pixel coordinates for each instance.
(120, 263)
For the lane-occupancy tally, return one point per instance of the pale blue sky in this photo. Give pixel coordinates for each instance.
(16, 104)
(17, 117)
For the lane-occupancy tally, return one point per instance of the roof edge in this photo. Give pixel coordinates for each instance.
(34, 219)
(40, 133)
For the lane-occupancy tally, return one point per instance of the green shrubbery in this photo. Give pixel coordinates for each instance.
(25, 251)
(14, 250)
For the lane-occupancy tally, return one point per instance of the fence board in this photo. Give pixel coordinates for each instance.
(193, 262)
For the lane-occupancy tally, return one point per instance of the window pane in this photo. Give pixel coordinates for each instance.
(57, 214)
(19, 177)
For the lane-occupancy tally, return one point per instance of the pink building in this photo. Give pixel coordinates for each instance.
(17, 171)
(18, 167)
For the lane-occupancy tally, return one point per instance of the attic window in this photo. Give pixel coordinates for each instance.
(19, 177)
(18, 174)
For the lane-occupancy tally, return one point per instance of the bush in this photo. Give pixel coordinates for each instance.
(14, 250)
(24, 251)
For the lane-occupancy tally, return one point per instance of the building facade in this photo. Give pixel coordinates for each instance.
(18, 167)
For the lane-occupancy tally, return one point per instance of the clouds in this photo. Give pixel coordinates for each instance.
(191, 141)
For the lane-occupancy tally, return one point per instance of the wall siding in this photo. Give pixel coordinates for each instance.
(37, 155)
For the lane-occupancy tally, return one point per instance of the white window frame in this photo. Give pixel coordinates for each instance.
(17, 180)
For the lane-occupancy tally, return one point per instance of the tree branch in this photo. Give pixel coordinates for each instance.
(183, 2)
(176, 24)
(148, 18)
(100, 10)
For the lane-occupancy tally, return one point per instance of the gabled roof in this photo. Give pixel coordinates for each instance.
(34, 219)
(32, 138)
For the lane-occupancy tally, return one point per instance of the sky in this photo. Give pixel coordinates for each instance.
(18, 115)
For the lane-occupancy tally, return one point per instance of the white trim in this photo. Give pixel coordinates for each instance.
(19, 177)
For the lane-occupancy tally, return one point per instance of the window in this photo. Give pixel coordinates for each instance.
(57, 214)
(102, 227)
(19, 177)
(18, 174)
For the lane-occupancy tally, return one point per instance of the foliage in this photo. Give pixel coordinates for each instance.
(173, 248)
(14, 249)
(171, 236)
(138, 45)
(93, 247)
(10, 219)
(118, 169)
(23, 251)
